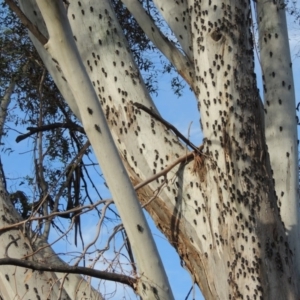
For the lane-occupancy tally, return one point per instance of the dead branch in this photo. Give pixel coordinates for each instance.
(186, 157)
(38, 266)
(168, 125)
(33, 130)
(81, 209)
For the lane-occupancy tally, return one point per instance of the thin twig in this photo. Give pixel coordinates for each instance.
(77, 158)
(52, 243)
(116, 229)
(187, 296)
(97, 232)
(129, 251)
(14, 241)
(156, 193)
(59, 213)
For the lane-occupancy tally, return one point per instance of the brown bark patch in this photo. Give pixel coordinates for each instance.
(199, 167)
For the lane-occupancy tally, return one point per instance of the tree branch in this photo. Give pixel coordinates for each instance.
(38, 266)
(81, 209)
(34, 130)
(26, 22)
(185, 157)
(171, 52)
(3, 114)
(168, 125)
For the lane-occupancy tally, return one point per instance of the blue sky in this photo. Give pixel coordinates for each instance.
(181, 112)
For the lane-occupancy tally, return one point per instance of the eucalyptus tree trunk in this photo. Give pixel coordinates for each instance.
(280, 120)
(218, 208)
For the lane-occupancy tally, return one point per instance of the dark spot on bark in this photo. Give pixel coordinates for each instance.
(216, 35)
(140, 228)
(97, 127)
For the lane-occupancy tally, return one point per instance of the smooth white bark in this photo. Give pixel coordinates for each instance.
(30, 9)
(62, 47)
(176, 14)
(280, 120)
(179, 61)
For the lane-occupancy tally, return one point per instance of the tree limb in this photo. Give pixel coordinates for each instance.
(186, 157)
(26, 22)
(168, 125)
(172, 53)
(34, 130)
(38, 266)
(3, 114)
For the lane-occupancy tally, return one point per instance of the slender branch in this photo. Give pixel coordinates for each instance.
(129, 251)
(38, 266)
(46, 245)
(26, 22)
(185, 157)
(117, 229)
(3, 114)
(107, 246)
(58, 213)
(4, 104)
(168, 125)
(92, 242)
(34, 130)
(187, 296)
(41, 182)
(158, 190)
(14, 241)
(72, 165)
